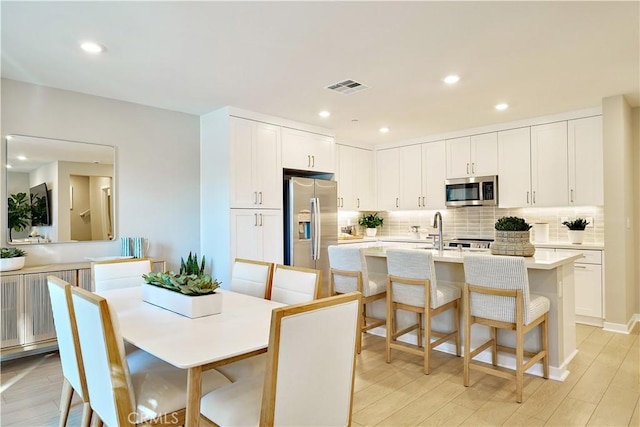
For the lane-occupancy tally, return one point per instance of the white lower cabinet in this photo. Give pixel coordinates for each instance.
(256, 235)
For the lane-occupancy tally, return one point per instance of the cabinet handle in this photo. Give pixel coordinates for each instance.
(313, 161)
(527, 197)
(255, 197)
(423, 203)
(534, 197)
(308, 161)
(358, 202)
(255, 220)
(584, 267)
(572, 195)
(260, 194)
(397, 202)
(260, 220)
(473, 168)
(467, 168)
(339, 202)
(418, 201)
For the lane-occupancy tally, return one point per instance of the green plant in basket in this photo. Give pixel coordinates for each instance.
(512, 223)
(576, 224)
(11, 253)
(190, 281)
(371, 220)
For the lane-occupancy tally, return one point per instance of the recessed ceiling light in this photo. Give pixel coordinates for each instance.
(502, 106)
(92, 47)
(384, 129)
(9, 166)
(451, 79)
(21, 158)
(324, 114)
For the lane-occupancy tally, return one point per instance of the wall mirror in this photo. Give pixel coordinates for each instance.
(59, 191)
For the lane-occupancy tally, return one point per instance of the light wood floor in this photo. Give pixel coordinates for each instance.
(603, 389)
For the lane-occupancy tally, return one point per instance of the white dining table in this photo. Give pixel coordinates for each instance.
(240, 331)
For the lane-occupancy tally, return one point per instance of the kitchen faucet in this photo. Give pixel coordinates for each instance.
(437, 222)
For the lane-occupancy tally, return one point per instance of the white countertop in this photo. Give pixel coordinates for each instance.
(406, 239)
(541, 260)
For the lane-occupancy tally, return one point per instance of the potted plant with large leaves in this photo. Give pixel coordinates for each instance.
(512, 237)
(371, 222)
(19, 213)
(575, 230)
(191, 292)
(11, 259)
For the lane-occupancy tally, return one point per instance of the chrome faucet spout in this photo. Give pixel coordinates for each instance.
(437, 223)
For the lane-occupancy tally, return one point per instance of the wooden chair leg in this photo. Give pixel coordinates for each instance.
(456, 324)
(494, 346)
(96, 421)
(420, 331)
(467, 337)
(519, 363)
(427, 340)
(390, 322)
(361, 324)
(65, 402)
(545, 346)
(86, 414)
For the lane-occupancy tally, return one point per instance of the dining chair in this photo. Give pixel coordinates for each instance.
(349, 273)
(310, 375)
(118, 274)
(412, 286)
(293, 285)
(129, 389)
(69, 350)
(496, 294)
(251, 277)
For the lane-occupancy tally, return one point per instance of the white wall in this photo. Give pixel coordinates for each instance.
(635, 120)
(157, 166)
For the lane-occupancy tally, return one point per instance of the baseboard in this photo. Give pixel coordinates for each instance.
(591, 321)
(621, 328)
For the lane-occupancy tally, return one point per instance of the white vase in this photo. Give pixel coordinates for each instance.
(10, 264)
(576, 236)
(371, 232)
(185, 305)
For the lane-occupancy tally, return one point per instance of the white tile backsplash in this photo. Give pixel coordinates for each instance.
(472, 221)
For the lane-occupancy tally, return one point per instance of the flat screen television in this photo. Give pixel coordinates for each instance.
(40, 205)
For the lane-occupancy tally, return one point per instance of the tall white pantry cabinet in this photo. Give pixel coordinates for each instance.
(241, 183)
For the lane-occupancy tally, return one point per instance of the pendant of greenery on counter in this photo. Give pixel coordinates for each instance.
(576, 230)
(512, 237)
(371, 221)
(11, 259)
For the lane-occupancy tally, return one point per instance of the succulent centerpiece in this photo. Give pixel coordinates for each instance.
(575, 230)
(512, 237)
(191, 292)
(11, 259)
(371, 222)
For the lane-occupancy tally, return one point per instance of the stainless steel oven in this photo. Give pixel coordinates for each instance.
(472, 191)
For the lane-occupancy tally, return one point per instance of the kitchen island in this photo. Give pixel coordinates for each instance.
(551, 274)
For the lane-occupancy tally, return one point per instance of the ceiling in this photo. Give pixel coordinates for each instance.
(278, 57)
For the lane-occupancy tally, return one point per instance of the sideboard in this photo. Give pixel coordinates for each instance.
(26, 319)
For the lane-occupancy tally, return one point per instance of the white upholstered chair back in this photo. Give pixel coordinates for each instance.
(412, 264)
(312, 345)
(67, 334)
(499, 272)
(294, 285)
(348, 259)
(106, 369)
(251, 277)
(127, 273)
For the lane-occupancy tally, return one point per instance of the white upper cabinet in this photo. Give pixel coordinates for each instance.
(549, 170)
(514, 168)
(475, 155)
(434, 173)
(388, 178)
(354, 175)
(256, 171)
(410, 177)
(307, 151)
(585, 162)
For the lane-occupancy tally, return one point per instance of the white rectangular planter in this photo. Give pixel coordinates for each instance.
(189, 306)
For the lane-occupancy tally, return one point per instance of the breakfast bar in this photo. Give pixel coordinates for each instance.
(551, 274)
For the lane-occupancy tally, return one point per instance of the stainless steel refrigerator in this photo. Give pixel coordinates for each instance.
(311, 224)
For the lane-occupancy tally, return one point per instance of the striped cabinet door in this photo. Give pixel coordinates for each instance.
(12, 309)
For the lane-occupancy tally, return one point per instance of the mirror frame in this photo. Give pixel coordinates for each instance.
(86, 156)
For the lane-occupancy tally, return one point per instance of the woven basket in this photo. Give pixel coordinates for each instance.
(514, 243)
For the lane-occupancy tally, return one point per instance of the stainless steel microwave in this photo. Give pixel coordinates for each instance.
(472, 191)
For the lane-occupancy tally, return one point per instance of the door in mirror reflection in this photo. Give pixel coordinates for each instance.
(79, 178)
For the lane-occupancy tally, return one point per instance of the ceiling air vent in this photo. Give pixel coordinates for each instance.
(347, 87)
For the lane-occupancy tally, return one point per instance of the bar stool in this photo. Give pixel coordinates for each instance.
(496, 294)
(349, 273)
(412, 286)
